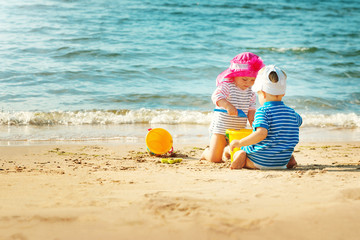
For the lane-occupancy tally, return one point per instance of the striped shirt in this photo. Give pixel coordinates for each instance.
(240, 99)
(282, 123)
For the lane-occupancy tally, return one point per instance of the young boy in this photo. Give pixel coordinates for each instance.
(276, 127)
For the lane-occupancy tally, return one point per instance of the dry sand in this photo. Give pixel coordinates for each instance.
(100, 191)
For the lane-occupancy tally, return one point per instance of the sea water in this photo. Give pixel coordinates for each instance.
(109, 70)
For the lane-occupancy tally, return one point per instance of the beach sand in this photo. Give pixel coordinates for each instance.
(110, 191)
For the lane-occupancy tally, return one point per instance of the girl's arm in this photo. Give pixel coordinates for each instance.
(251, 114)
(255, 137)
(252, 108)
(219, 99)
(228, 106)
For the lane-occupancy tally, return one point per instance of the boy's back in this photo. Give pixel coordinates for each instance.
(282, 123)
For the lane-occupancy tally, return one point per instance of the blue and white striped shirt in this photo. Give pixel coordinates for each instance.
(282, 123)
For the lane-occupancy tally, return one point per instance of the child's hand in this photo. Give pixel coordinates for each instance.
(232, 111)
(234, 144)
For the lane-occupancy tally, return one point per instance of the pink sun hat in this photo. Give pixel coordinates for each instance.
(245, 64)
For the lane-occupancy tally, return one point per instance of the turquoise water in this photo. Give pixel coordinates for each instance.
(101, 63)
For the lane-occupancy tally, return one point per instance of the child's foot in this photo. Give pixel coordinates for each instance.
(226, 154)
(225, 158)
(292, 163)
(239, 160)
(237, 164)
(204, 153)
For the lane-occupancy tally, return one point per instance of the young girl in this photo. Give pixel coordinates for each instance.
(233, 92)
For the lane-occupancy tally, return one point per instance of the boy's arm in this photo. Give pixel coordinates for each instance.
(299, 119)
(255, 137)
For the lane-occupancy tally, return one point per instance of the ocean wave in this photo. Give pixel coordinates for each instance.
(292, 49)
(101, 117)
(311, 50)
(339, 120)
(351, 103)
(151, 116)
(86, 53)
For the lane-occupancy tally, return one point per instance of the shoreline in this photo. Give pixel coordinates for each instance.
(110, 191)
(135, 134)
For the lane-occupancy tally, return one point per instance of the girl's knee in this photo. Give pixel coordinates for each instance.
(212, 155)
(215, 159)
(217, 145)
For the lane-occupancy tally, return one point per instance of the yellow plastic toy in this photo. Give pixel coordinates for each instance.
(159, 141)
(237, 135)
(171, 160)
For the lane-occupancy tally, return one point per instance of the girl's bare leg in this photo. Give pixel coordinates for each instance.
(215, 151)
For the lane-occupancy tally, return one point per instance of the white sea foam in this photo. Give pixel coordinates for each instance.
(293, 49)
(339, 120)
(99, 117)
(150, 116)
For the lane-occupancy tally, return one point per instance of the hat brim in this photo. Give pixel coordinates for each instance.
(230, 74)
(257, 86)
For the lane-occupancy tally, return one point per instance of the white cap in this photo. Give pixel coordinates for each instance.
(263, 83)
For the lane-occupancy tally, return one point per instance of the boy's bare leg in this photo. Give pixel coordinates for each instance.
(239, 160)
(242, 161)
(215, 151)
(292, 163)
